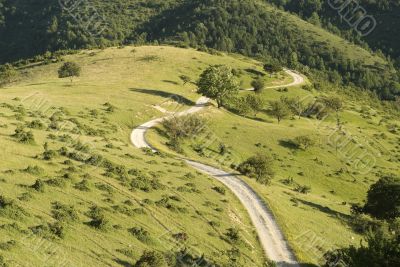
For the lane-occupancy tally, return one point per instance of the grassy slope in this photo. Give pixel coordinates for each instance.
(112, 75)
(316, 222)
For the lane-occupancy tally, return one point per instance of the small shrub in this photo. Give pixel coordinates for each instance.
(9, 209)
(39, 186)
(99, 219)
(219, 189)
(233, 235)
(34, 170)
(8, 245)
(182, 127)
(3, 262)
(303, 142)
(151, 259)
(141, 234)
(259, 167)
(64, 213)
(303, 189)
(24, 137)
(83, 186)
(36, 124)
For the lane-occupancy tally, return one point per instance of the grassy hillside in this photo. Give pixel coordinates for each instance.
(79, 193)
(338, 169)
(251, 27)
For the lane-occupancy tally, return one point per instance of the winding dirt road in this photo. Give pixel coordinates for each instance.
(271, 237)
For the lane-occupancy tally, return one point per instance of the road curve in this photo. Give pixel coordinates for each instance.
(271, 237)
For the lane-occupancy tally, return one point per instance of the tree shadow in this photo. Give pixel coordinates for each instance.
(123, 263)
(255, 72)
(327, 210)
(286, 264)
(171, 82)
(287, 144)
(177, 98)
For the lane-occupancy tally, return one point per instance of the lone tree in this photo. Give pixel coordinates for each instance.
(259, 167)
(296, 106)
(7, 74)
(218, 82)
(69, 70)
(272, 68)
(255, 103)
(279, 110)
(335, 104)
(383, 199)
(258, 84)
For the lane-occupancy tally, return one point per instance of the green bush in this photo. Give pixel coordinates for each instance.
(219, 189)
(303, 142)
(64, 213)
(151, 259)
(36, 124)
(24, 137)
(233, 235)
(3, 262)
(188, 126)
(99, 219)
(34, 170)
(9, 209)
(39, 186)
(141, 234)
(259, 167)
(69, 70)
(383, 198)
(83, 186)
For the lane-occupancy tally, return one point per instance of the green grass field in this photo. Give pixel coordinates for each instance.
(138, 82)
(132, 188)
(318, 221)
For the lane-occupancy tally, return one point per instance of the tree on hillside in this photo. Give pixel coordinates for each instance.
(69, 70)
(218, 83)
(279, 110)
(259, 167)
(256, 103)
(295, 105)
(382, 249)
(335, 104)
(7, 74)
(272, 68)
(383, 199)
(258, 84)
(151, 259)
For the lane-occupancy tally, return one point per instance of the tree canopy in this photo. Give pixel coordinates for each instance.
(383, 199)
(218, 83)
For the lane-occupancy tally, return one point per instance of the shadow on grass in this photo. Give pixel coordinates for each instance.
(255, 72)
(171, 82)
(285, 264)
(287, 144)
(327, 210)
(174, 97)
(123, 263)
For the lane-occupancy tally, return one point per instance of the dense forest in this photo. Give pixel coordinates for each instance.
(248, 27)
(386, 13)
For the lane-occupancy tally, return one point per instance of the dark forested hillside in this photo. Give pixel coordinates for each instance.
(255, 29)
(384, 37)
(251, 27)
(36, 26)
